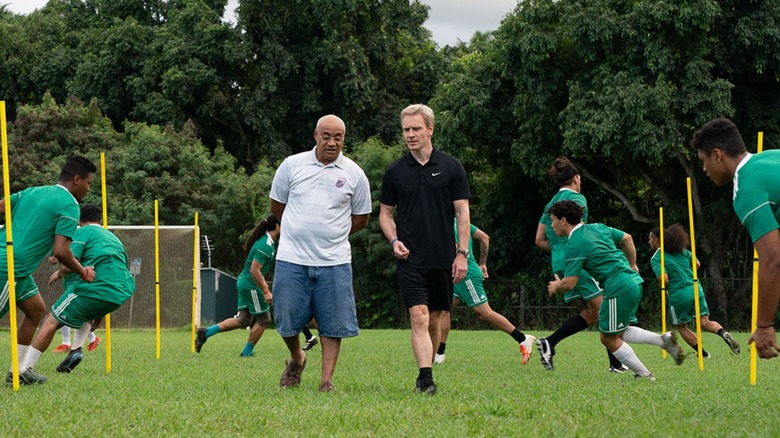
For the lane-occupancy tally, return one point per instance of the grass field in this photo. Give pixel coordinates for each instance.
(483, 391)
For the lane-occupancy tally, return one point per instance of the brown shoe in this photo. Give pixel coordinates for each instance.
(291, 377)
(327, 386)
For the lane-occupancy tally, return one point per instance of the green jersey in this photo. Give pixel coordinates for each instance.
(592, 247)
(262, 252)
(757, 193)
(95, 246)
(558, 244)
(38, 214)
(680, 271)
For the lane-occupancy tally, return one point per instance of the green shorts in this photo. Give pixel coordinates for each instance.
(25, 289)
(587, 288)
(685, 311)
(617, 313)
(253, 300)
(74, 310)
(470, 291)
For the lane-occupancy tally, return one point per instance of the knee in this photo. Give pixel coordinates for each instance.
(590, 316)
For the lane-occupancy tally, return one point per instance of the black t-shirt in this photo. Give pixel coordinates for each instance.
(423, 197)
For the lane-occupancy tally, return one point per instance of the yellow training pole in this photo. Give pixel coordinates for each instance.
(105, 226)
(695, 277)
(754, 310)
(663, 279)
(194, 279)
(157, 275)
(9, 244)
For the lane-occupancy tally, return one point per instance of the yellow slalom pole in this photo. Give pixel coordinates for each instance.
(9, 244)
(105, 226)
(663, 278)
(194, 279)
(754, 310)
(695, 276)
(157, 275)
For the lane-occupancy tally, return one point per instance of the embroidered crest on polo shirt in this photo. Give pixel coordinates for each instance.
(340, 182)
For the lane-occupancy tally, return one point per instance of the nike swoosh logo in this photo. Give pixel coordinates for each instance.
(436, 174)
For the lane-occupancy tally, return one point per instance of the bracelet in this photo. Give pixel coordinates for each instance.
(392, 242)
(765, 326)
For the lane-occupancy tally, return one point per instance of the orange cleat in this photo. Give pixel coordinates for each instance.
(94, 344)
(63, 348)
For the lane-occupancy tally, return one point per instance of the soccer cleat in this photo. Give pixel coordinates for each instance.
(69, 363)
(310, 343)
(620, 370)
(526, 348)
(28, 377)
(244, 355)
(546, 353)
(425, 386)
(94, 344)
(731, 342)
(438, 359)
(63, 348)
(327, 386)
(649, 377)
(670, 345)
(291, 377)
(200, 339)
(705, 354)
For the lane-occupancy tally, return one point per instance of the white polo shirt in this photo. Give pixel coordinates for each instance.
(320, 202)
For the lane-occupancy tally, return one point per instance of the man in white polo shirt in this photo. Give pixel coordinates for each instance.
(321, 197)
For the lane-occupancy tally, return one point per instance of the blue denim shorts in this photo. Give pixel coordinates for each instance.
(320, 292)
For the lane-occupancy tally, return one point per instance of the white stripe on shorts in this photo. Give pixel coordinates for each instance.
(63, 305)
(472, 291)
(255, 300)
(612, 314)
(4, 296)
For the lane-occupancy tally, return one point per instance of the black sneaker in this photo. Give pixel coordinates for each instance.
(310, 343)
(200, 339)
(620, 370)
(70, 362)
(425, 386)
(28, 377)
(546, 353)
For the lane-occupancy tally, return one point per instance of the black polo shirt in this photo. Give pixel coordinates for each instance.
(423, 197)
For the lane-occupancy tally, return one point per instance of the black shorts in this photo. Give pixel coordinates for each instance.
(431, 287)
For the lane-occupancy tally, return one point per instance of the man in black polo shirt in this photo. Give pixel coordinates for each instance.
(429, 188)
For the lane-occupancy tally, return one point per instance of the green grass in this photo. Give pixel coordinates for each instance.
(483, 390)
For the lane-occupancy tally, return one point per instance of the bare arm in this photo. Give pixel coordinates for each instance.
(62, 251)
(483, 240)
(565, 285)
(765, 337)
(277, 209)
(541, 238)
(387, 224)
(463, 220)
(358, 223)
(256, 269)
(626, 245)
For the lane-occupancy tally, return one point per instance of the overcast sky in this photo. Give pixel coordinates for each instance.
(449, 20)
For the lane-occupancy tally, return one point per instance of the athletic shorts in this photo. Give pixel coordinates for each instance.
(470, 291)
(25, 289)
(320, 292)
(252, 300)
(430, 287)
(74, 310)
(587, 288)
(617, 313)
(685, 312)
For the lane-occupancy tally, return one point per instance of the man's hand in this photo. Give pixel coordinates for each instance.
(400, 251)
(766, 342)
(269, 297)
(552, 287)
(89, 274)
(460, 267)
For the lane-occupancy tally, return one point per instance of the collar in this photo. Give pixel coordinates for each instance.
(744, 161)
(433, 160)
(270, 239)
(311, 158)
(566, 188)
(576, 227)
(66, 189)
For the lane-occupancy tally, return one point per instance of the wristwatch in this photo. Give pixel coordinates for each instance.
(465, 252)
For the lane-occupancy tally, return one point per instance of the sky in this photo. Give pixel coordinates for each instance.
(450, 21)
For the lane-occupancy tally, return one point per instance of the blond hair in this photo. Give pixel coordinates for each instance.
(419, 108)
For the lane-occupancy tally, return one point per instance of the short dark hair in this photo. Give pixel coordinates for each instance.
(720, 133)
(562, 171)
(569, 210)
(77, 165)
(91, 213)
